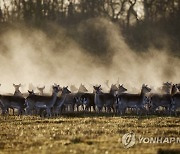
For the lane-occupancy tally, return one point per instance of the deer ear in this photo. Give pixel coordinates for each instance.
(13, 84)
(20, 85)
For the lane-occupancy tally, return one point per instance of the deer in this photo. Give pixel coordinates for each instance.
(113, 89)
(175, 98)
(13, 102)
(166, 88)
(73, 88)
(82, 89)
(137, 101)
(17, 92)
(120, 89)
(36, 102)
(59, 104)
(103, 99)
(87, 99)
(41, 90)
(72, 99)
(178, 86)
(163, 100)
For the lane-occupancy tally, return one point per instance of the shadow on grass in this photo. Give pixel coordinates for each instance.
(168, 151)
(103, 114)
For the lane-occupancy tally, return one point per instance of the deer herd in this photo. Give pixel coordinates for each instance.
(117, 100)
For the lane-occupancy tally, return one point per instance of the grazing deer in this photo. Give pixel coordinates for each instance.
(36, 102)
(101, 100)
(137, 101)
(41, 90)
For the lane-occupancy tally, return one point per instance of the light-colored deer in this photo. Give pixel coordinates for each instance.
(17, 92)
(36, 102)
(73, 88)
(82, 89)
(41, 90)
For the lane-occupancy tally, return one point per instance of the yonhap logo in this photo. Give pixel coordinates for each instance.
(128, 140)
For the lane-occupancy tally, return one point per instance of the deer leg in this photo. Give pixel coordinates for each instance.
(94, 108)
(48, 110)
(82, 107)
(4, 111)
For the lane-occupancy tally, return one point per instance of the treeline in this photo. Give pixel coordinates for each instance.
(137, 18)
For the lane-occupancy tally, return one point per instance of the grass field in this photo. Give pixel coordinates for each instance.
(84, 134)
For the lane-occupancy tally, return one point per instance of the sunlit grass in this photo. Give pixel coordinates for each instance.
(83, 134)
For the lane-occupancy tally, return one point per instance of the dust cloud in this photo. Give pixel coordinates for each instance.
(91, 53)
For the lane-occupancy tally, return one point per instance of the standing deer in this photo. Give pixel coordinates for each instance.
(121, 89)
(13, 102)
(113, 90)
(59, 105)
(82, 89)
(166, 88)
(73, 88)
(87, 99)
(41, 90)
(163, 100)
(175, 99)
(17, 92)
(71, 100)
(137, 101)
(101, 100)
(36, 102)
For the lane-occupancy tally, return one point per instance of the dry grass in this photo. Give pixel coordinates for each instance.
(83, 134)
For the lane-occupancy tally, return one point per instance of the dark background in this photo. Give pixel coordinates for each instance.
(157, 26)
